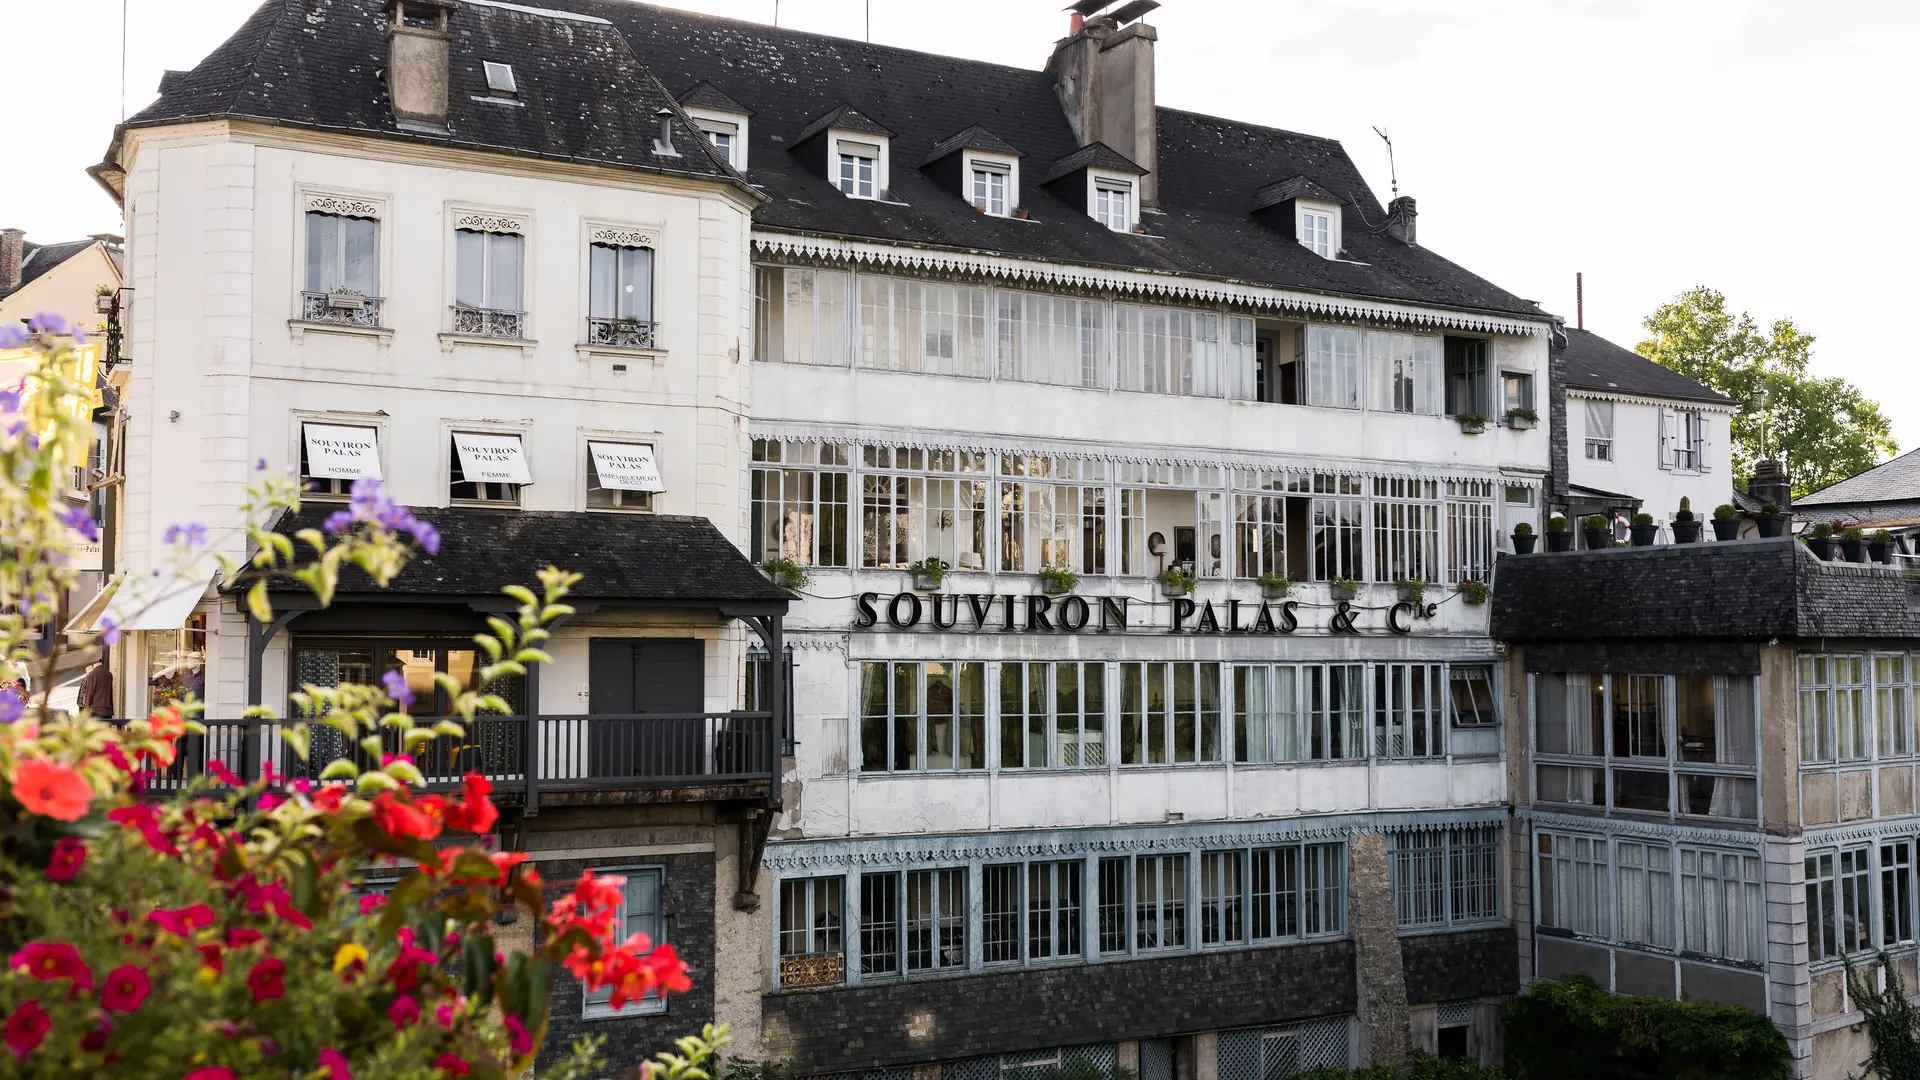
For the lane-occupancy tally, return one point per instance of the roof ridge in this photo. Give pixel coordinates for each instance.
(1230, 121)
(646, 70)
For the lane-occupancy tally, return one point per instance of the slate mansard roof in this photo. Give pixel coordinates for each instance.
(1594, 363)
(321, 64)
(592, 79)
(1897, 480)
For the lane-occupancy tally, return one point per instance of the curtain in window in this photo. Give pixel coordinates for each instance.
(343, 253)
(1733, 736)
(487, 270)
(620, 283)
(1599, 419)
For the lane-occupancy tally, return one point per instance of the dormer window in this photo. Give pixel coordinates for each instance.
(987, 183)
(724, 137)
(721, 119)
(1317, 226)
(1112, 203)
(859, 166)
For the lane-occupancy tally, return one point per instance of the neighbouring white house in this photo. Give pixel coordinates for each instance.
(1641, 437)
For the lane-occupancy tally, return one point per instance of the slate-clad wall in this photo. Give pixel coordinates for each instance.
(1462, 966)
(943, 1019)
(687, 900)
(1646, 658)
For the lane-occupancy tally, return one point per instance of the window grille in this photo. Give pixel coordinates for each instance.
(1053, 910)
(917, 503)
(936, 919)
(1222, 897)
(1896, 893)
(1169, 713)
(1646, 893)
(799, 502)
(1722, 908)
(880, 924)
(1445, 877)
(1276, 1053)
(811, 953)
(1000, 914)
(1114, 882)
(922, 716)
(1408, 711)
(1572, 883)
(1160, 902)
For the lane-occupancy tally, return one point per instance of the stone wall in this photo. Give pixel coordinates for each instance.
(1386, 1038)
(1461, 966)
(931, 1020)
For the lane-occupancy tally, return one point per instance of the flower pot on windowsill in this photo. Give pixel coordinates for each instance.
(1054, 587)
(1410, 594)
(926, 581)
(1560, 541)
(1343, 592)
(1686, 532)
(1771, 524)
(1520, 423)
(1821, 546)
(1523, 542)
(1597, 539)
(1471, 424)
(1726, 528)
(346, 301)
(1854, 550)
(1174, 588)
(1643, 535)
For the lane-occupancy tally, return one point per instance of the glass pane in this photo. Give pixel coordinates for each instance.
(323, 245)
(503, 272)
(470, 269)
(601, 282)
(362, 256)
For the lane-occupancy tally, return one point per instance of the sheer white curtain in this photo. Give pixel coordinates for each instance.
(1733, 740)
(1565, 726)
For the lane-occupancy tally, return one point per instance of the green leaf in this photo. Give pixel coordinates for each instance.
(375, 782)
(340, 769)
(412, 891)
(417, 737)
(299, 738)
(449, 727)
(522, 594)
(405, 771)
(477, 966)
(257, 603)
(371, 744)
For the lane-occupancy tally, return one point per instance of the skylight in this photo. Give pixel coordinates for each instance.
(500, 78)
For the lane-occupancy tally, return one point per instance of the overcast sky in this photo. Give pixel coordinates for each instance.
(1757, 147)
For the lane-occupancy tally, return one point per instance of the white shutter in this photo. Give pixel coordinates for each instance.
(1701, 460)
(1665, 460)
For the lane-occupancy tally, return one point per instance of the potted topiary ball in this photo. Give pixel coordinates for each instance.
(1853, 544)
(1643, 530)
(1523, 538)
(1559, 533)
(1686, 527)
(1598, 535)
(1771, 521)
(1726, 522)
(1820, 540)
(1880, 546)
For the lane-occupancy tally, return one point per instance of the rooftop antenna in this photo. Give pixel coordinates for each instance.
(1392, 175)
(1579, 301)
(869, 22)
(776, 12)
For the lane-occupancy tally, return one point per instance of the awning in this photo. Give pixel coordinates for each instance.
(626, 466)
(491, 459)
(143, 600)
(340, 452)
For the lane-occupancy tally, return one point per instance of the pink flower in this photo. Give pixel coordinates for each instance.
(182, 921)
(210, 1072)
(242, 936)
(265, 981)
(518, 1039)
(58, 960)
(452, 1064)
(96, 1040)
(26, 1028)
(51, 790)
(405, 971)
(404, 1012)
(371, 902)
(127, 986)
(335, 1063)
(69, 855)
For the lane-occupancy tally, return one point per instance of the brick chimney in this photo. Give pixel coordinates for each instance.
(1400, 217)
(417, 59)
(1103, 75)
(1769, 484)
(11, 243)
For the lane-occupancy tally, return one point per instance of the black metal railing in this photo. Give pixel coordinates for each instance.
(343, 308)
(621, 333)
(587, 752)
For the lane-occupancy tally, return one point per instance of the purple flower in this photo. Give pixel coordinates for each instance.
(193, 533)
(11, 707)
(397, 688)
(12, 337)
(260, 466)
(337, 521)
(80, 519)
(9, 399)
(109, 629)
(367, 498)
(427, 537)
(79, 335)
(47, 322)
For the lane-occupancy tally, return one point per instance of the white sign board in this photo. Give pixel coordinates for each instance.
(342, 453)
(626, 466)
(491, 459)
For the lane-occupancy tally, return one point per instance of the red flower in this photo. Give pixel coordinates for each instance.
(25, 1029)
(51, 790)
(96, 1040)
(223, 774)
(371, 902)
(127, 986)
(265, 980)
(452, 1064)
(335, 1063)
(399, 817)
(145, 818)
(210, 957)
(474, 812)
(405, 970)
(210, 1072)
(327, 800)
(183, 921)
(167, 723)
(404, 1012)
(242, 936)
(48, 961)
(69, 855)
(518, 1039)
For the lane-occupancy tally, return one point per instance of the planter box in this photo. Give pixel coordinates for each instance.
(1771, 525)
(1643, 535)
(1854, 550)
(1520, 423)
(1412, 596)
(1473, 427)
(1523, 545)
(926, 582)
(1597, 539)
(1726, 528)
(1880, 551)
(1821, 546)
(346, 301)
(1341, 592)
(1053, 588)
(1686, 532)
(1560, 541)
(1168, 589)
(1276, 592)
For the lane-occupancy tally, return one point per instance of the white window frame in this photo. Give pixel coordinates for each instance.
(644, 502)
(1598, 449)
(1097, 180)
(296, 445)
(1308, 212)
(972, 161)
(712, 121)
(655, 1002)
(451, 427)
(343, 203)
(881, 163)
(486, 219)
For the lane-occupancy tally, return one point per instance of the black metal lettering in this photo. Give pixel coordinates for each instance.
(1007, 615)
(1037, 608)
(1395, 613)
(863, 613)
(981, 604)
(1343, 617)
(1113, 609)
(1074, 613)
(940, 604)
(893, 611)
(1289, 622)
(1233, 616)
(1208, 624)
(1182, 611)
(1263, 622)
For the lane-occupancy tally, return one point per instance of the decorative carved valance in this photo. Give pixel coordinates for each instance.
(488, 221)
(344, 205)
(641, 236)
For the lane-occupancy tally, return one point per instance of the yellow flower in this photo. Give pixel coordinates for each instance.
(348, 954)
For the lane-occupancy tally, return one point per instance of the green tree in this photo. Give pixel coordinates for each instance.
(1824, 429)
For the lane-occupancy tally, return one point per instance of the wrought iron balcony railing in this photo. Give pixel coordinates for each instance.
(341, 309)
(621, 333)
(489, 322)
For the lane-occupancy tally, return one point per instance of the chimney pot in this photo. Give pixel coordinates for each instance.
(1103, 76)
(417, 60)
(11, 243)
(1400, 219)
(1770, 484)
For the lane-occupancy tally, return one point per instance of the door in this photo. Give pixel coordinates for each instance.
(631, 679)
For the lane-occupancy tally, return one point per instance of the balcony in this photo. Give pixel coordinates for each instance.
(621, 333)
(592, 759)
(341, 309)
(489, 323)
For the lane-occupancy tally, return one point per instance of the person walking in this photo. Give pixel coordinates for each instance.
(96, 690)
